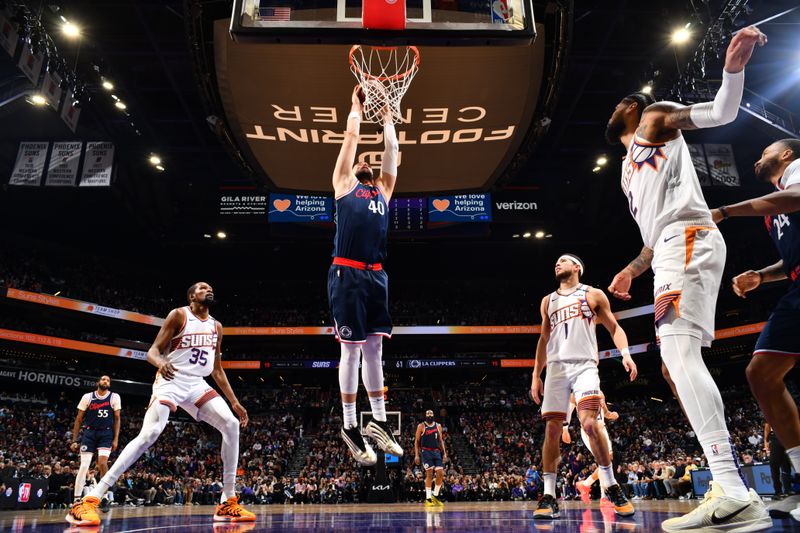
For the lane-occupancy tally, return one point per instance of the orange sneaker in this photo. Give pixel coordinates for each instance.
(621, 504)
(583, 488)
(231, 511)
(84, 512)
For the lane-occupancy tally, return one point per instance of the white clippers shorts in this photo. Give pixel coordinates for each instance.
(189, 393)
(565, 377)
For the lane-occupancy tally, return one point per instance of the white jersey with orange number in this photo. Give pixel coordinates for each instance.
(572, 327)
(193, 349)
(661, 185)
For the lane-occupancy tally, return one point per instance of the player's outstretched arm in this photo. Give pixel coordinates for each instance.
(343, 173)
(171, 326)
(221, 379)
(388, 176)
(602, 308)
(621, 284)
(772, 204)
(663, 120)
(537, 387)
(752, 279)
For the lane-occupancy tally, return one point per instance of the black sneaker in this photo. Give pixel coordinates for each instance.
(361, 451)
(621, 504)
(547, 509)
(105, 505)
(381, 432)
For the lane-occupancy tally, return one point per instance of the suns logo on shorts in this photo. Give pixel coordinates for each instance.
(641, 155)
(345, 332)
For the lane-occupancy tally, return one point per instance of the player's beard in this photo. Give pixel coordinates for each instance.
(429, 419)
(209, 300)
(564, 275)
(364, 175)
(767, 169)
(102, 386)
(614, 130)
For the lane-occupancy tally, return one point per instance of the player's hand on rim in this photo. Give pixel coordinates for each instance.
(166, 370)
(357, 98)
(621, 284)
(242, 412)
(746, 282)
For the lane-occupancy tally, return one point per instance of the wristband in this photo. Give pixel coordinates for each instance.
(354, 114)
(760, 276)
(626, 352)
(724, 212)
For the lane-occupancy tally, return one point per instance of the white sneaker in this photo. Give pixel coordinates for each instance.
(718, 513)
(381, 433)
(783, 508)
(795, 513)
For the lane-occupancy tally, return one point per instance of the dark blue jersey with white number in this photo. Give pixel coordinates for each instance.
(785, 229)
(99, 412)
(362, 225)
(430, 437)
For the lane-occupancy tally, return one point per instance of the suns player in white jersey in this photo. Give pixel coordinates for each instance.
(585, 486)
(186, 350)
(567, 347)
(687, 254)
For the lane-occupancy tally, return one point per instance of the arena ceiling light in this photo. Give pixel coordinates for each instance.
(539, 234)
(160, 168)
(681, 35)
(515, 236)
(597, 169)
(107, 85)
(527, 234)
(154, 160)
(647, 89)
(70, 30)
(222, 235)
(601, 161)
(119, 104)
(37, 99)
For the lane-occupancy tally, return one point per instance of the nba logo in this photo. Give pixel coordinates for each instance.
(714, 449)
(24, 492)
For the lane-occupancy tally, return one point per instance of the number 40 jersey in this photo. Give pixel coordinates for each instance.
(193, 349)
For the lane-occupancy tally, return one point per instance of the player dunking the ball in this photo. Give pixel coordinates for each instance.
(687, 254)
(186, 350)
(567, 347)
(358, 287)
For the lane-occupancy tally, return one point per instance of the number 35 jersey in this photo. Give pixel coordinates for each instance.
(362, 225)
(573, 336)
(661, 185)
(193, 349)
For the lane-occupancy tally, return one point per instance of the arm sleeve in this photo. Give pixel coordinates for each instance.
(725, 106)
(391, 146)
(85, 400)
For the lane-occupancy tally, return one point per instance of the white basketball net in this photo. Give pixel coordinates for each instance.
(384, 74)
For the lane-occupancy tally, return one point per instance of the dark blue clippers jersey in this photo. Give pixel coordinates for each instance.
(362, 225)
(99, 414)
(785, 229)
(430, 437)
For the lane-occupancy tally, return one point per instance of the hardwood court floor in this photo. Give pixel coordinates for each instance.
(576, 517)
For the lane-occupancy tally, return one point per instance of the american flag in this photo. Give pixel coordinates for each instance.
(274, 13)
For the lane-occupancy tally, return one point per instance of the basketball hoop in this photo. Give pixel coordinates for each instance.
(384, 74)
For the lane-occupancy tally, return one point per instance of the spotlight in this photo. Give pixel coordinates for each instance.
(154, 160)
(120, 105)
(515, 236)
(647, 89)
(539, 234)
(107, 85)
(37, 99)
(207, 235)
(527, 234)
(601, 161)
(596, 169)
(681, 36)
(71, 30)
(222, 235)
(160, 168)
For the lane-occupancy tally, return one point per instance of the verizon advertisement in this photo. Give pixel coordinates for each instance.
(516, 206)
(464, 116)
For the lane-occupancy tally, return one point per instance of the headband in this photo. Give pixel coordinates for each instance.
(574, 260)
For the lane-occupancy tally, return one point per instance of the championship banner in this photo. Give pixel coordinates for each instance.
(69, 344)
(698, 156)
(85, 307)
(460, 208)
(8, 35)
(97, 164)
(722, 165)
(300, 208)
(63, 168)
(51, 89)
(31, 64)
(515, 206)
(69, 113)
(29, 167)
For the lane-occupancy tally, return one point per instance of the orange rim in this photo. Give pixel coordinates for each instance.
(399, 75)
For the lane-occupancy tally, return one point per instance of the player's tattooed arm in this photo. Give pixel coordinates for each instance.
(639, 266)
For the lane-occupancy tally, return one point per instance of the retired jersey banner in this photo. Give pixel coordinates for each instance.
(62, 171)
(300, 208)
(8, 35)
(51, 89)
(29, 167)
(460, 208)
(98, 164)
(31, 64)
(700, 164)
(69, 113)
(722, 165)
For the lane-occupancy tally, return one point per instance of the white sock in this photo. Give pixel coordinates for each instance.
(606, 476)
(155, 420)
(349, 410)
(550, 484)
(378, 408)
(681, 352)
(217, 413)
(428, 493)
(436, 489)
(794, 457)
(80, 479)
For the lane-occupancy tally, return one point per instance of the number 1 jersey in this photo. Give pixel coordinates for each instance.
(573, 337)
(193, 349)
(362, 225)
